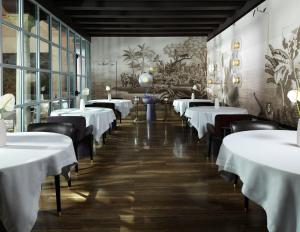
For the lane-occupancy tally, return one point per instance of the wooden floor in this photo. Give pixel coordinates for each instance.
(149, 178)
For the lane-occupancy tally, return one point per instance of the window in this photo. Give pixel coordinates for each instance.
(64, 86)
(64, 61)
(10, 45)
(71, 41)
(55, 86)
(29, 86)
(30, 17)
(10, 11)
(45, 86)
(44, 55)
(30, 44)
(55, 31)
(55, 58)
(64, 36)
(44, 25)
(11, 82)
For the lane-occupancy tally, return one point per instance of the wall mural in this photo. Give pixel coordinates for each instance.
(176, 67)
(283, 71)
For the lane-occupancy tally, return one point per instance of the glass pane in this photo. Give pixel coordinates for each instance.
(11, 82)
(83, 66)
(55, 86)
(44, 25)
(30, 116)
(78, 84)
(10, 45)
(10, 11)
(79, 66)
(64, 37)
(30, 16)
(72, 63)
(55, 31)
(45, 86)
(10, 120)
(44, 111)
(83, 47)
(44, 55)
(30, 51)
(72, 85)
(55, 58)
(71, 41)
(77, 45)
(64, 86)
(64, 63)
(64, 104)
(83, 83)
(29, 86)
(55, 105)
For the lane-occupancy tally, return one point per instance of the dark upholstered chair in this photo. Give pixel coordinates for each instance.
(195, 104)
(107, 105)
(85, 137)
(217, 132)
(251, 125)
(60, 128)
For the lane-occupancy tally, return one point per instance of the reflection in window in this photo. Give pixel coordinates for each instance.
(71, 41)
(29, 86)
(55, 58)
(72, 63)
(44, 111)
(83, 48)
(44, 55)
(11, 82)
(55, 86)
(10, 11)
(55, 31)
(77, 45)
(45, 85)
(78, 65)
(64, 63)
(55, 105)
(83, 66)
(30, 16)
(30, 51)
(44, 24)
(64, 38)
(10, 45)
(64, 86)
(72, 85)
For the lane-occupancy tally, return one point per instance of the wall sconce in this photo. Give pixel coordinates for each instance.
(236, 45)
(209, 81)
(236, 62)
(237, 80)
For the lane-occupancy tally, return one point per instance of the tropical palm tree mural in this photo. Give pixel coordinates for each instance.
(282, 69)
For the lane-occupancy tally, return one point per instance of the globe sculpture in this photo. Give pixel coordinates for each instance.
(146, 81)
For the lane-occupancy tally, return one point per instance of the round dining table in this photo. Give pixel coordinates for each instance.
(268, 164)
(199, 116)
(25, 161)
(122, 105)
(181, 105)
(100, 118)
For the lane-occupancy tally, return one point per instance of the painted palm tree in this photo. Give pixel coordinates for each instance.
(131, 57)
(144, 53)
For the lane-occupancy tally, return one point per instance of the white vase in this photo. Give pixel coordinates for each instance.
(109, 97)
(82, 105)
(193, 96)
(3, 136)
(298, 133)
(217, 103)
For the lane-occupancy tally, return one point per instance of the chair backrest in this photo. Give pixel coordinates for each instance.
(223, 121)
(60, 128)
(78, 122)
(195, 104)
(253, 125)
(117, 98)
(102, 105)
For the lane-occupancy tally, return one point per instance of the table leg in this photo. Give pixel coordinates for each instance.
(57, 191)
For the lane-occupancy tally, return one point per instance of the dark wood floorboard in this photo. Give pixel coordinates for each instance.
(149, 178)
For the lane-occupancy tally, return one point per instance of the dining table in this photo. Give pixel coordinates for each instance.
(198, 117)
(181, 105)
(100, 118)
(122, 105)
(268, 164)
(25, 161)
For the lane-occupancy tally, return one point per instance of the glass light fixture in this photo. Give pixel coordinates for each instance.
(236, 62)
(237, 80)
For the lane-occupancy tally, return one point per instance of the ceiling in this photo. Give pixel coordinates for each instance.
(149, 17)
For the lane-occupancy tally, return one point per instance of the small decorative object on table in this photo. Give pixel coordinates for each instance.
(85, 93)
(193, 92)
(294, 96)
(107, 88)
(7, 103)
(217, 103)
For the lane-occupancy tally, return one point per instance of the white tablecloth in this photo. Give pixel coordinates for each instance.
(180, 105)
(100, 118)
(200, 116)
(124, 106)
(24, 163)
(268, 163)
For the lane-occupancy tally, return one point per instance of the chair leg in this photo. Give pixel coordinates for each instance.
(103, 137)
(70, 182)
(57, 191)
(246, 204)
(235, 181)
(76, 166)
(92, 149)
